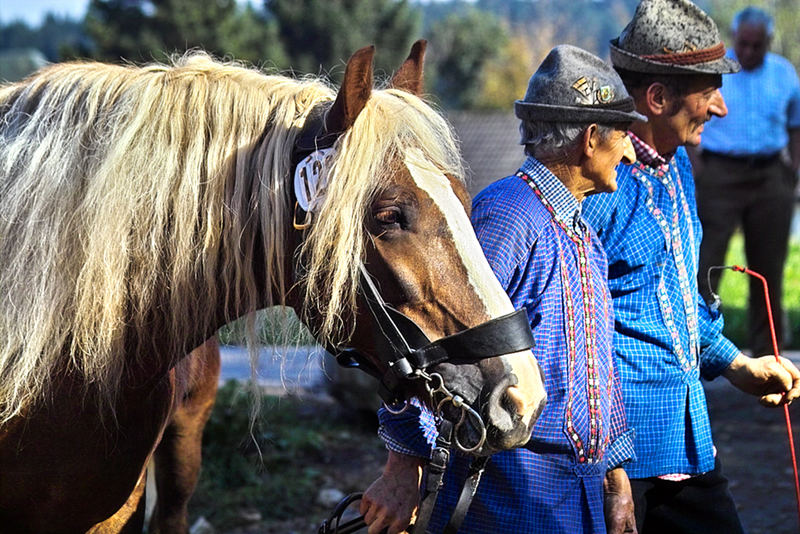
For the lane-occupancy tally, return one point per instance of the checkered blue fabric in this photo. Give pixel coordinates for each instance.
(522, 490)
(763, 104)
(652, 276)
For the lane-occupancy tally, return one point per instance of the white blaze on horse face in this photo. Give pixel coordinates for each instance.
(529, 394)
(480, 275)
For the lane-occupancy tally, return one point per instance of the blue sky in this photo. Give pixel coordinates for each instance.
(33, 11)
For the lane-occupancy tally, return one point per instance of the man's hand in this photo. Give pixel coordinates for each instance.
(618, 503)
(766, 378)
(391, 501)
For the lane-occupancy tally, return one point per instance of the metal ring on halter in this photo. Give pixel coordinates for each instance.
(458, 402)
(396, 412)
(478, 422)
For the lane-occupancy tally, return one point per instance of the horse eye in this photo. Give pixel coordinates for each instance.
(388, 216)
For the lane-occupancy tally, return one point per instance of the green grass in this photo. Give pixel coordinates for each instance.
(734, 289)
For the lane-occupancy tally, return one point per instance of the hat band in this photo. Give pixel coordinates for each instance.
(626, 105)
(693, 57)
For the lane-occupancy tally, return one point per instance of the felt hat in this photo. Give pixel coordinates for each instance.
(671, 37)
(572, 85)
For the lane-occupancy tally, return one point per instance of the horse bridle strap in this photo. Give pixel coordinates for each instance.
(412, 350)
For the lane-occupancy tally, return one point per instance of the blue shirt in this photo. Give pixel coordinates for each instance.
(763, 104)
(552, 264)
(665, 334)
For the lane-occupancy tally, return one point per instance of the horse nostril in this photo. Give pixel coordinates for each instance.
(527, 408)
(515, 401)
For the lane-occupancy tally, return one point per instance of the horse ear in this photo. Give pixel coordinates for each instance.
(409, 76)
(354, 93)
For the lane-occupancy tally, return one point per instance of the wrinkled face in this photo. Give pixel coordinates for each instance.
(612, 150)
(751, 43)
(429, 265)
(689, 113)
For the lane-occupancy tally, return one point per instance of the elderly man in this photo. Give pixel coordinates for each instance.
(574, 119)
(743, 177)
(671, 59)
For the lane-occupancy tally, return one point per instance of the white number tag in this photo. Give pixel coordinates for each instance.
(310, 179)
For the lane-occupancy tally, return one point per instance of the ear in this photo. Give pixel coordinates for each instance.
(354, 92)
(409, 76)
(590, 140)
(657, 98)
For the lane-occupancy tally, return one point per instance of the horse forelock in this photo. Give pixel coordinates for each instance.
(120, 187)
(367, 155)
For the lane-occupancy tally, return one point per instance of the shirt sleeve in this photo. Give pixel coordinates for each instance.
(716, 351)
(620, 448)
(793, 111)
(409, 429)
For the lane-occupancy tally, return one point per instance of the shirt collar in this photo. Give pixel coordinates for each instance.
(566, 207)
(647, 154)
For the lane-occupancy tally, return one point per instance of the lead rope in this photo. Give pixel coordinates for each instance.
(745, 270)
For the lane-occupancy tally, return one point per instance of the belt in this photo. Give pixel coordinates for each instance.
(755, 161)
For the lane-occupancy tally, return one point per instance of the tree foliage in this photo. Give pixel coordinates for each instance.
(142, 30)
(50, 38)
(319, 34)
(462, 45)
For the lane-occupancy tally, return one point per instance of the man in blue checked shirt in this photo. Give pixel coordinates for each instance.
(671, 59)
(568, 479)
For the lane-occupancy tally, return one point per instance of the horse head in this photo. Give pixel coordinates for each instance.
(431, 319)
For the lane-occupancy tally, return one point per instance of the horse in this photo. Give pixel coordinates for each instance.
(143, 207)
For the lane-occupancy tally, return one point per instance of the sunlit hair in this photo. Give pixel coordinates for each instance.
(136, 202)
(546, 140)
(753, 16)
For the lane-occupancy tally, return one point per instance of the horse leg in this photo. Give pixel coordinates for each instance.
(178, 456)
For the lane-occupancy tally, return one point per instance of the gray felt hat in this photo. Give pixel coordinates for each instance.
(572, 85)
(671, 37)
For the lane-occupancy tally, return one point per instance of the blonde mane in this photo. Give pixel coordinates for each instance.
(141, 196)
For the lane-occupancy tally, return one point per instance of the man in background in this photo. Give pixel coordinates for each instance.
(747, 168)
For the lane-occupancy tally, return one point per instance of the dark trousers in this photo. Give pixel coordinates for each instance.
(759, 197)
(699, 505)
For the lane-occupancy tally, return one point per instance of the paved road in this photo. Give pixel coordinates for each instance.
(291, 367)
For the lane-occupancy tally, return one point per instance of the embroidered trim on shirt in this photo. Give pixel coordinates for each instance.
(582, 240)
(672, 236)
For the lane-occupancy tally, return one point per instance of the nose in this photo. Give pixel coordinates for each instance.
(717, 105)
(628, 152)
(521, 405)
(515, 404)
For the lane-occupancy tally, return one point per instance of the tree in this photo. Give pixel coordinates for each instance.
(462, 45)
(50, 38)
(319, 34)
(142, 30)
(505, 78)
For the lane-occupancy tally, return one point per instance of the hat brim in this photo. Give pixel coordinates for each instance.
(573, 114)
(626, 60)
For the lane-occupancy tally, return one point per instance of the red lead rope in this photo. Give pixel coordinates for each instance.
(775, 352)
